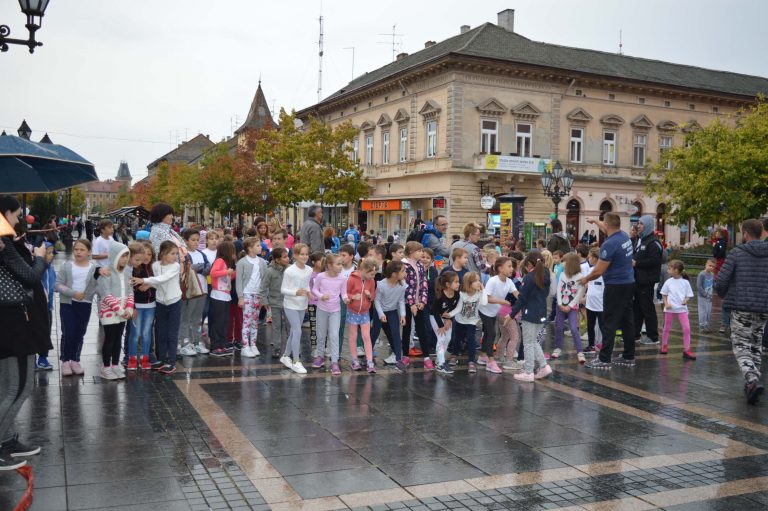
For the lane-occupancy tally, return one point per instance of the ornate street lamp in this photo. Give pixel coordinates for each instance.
(229, 205)
(34, 10)
(264, 198)
(557, 184)
(321, 190)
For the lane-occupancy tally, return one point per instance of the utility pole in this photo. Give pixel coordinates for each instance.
(320, 69)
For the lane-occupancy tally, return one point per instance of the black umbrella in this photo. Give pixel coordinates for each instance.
(30, 167)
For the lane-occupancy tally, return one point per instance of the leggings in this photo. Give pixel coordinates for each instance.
(235, 323)
(74, 323)
(682, 317)
(421, 331)
(573, 323)
(593, 318)
(467, 334)
(489, 333)
(328, 334)
(312, 313)
(293, 346)
(251, 308)
(110, 352)
(366, 331)
(442, 341)
(392, 331)
(533, 352)
(16, 381)
(510, 336)
(218, 314)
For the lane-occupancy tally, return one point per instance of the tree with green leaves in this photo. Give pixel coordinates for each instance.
(720, 174)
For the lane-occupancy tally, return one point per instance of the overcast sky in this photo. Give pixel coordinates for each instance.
(129, 80)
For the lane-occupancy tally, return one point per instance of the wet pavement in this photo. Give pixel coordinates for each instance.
(236, 433)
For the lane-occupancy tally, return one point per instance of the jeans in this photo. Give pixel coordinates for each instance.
(531, 346)
(167, 321)
(141, 328)
(573, 325)
(392, 331)
(618, 313)
(705, 311)
(74, 323)
(328, 333)
(465, 333)
(16, 382)
(645, 310)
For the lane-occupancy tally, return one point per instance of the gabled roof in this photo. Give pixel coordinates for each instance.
(492, 42)
(259, 116)
(185, 152)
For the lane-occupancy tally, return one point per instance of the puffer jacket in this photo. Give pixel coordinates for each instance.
(743, 278)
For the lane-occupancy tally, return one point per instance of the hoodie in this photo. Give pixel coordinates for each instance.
(271, 285)
(743, 278)
(115, 290)
(648, 253)
(357, 285)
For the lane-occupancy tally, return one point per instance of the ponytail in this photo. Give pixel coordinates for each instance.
(540, 271)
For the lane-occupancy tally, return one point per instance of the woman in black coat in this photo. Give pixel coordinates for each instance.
(24, 330)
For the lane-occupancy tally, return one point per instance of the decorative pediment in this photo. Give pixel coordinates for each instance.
(641, 122)
(492, 106)
(691, 125)
(526, 110)
(430, 110)
(579, 116)
(612, 121)
(367, 126)
(667, 126)
(402, 115)
(384, 121)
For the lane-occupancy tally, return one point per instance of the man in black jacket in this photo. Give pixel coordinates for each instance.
(647, 264)
(559, 239)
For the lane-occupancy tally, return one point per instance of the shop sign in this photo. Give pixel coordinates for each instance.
(515, 163)
(405, 205)
(380, 205)
(438, 203)
(487, 202)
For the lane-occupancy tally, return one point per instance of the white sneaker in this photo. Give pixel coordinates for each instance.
(248, 352)
(188, 351)
(201, 349)
(360, 351)
(255, 350)
(512, 365)
(390, 360)
(119, 371)
(286, 361)
(107, 373)
(557, 352)
(298, 368)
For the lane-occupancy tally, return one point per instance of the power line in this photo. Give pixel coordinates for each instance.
(98, 137)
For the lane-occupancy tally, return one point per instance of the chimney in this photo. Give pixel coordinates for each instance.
(506, 19)
(401, 56)
(464, 29)
(429, 44)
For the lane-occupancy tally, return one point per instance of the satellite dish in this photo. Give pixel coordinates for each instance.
(631, 209)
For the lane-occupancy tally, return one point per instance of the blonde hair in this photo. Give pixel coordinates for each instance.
(366, 265)
(411, 247)
(298, 247)
(571, 264)
(549, 261)
(469, 279)
(136, 248)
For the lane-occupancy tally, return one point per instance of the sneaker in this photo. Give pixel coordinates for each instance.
(428, 365)
(188, 351)
(619, 360)
(526, 377)
(124, 361)
(218, 352)
(237, 345)
(298, 368)
(482, 360)
(318, 362)
(444, 368)
(582, 359)
(596, 363)
(390, 360)
(454, 361)
(598, 346)
(647, 341)
(144, 364)
(371, 367)
(406, 361)
(133, 364)
(10, 464)
(157, 365)
(335, 369)
(43, 364)
(286, 361)
(230, 350)
(512, 365)
(184, 342)
(568, 333)
(493, 367)
(247, 352)
(66, 368)
(415, 352)
(400, 367)
(356, 365)
(543, 372)
(722, 330)
(687, 355)
(168, 369)
(119, 371)
(201, 349)
(360, 351)
(546, 356)
(106, 373)
(556, 353)
(255, 350)
(472, 367)
(589, 349)
(77, 368)
(753, 390)
(15, 449)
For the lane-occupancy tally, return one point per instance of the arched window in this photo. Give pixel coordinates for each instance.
(635, 217)
(605, 207)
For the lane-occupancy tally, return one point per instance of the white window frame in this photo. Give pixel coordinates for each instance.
(609, 148)
(665, 144)
(403, 149)
(523, 140)
(577, 146)
(369, 149)
(489, 137)
(385, 148)
(639, 149)
(431, 139)
(356, 150)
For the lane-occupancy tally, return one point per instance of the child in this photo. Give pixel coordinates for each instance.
(390, 308)
(165, 280)
(359, 295)
(347, 256)
(431, 274)
(115, 308)
(396, 252)
(497, 290)
(466, 312)
(222, 273)
(192, 309)
(212, 239)
(704, 285)
(460, 258)
(272, 297)
(415, 302)
(446, 300)
(555, 269)
(676, 292)
(102, 243)
(249, 272)
(569, 293)
(317, 263)
(295, 290)
(326, 290)
(508, 328)
(49, 286)
(144, 315)
(234, 332)
(490, 257)
(532, 301)
(76, 286)
(594, 303)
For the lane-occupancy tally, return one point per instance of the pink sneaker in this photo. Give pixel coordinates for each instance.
(543, 372)
(406, 361)
(428, 365)
(546, 356)
(526, 377)
(482, 360)
(335, 369)
(76, 367)
(318, 362)
(66, 368)
(493, 367)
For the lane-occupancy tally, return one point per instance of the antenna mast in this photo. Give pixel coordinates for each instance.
(320, 69)
(620, 45)
(394, 43)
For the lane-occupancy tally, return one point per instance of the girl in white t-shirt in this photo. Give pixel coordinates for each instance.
(594, 304)
(675, 293)
(569, 293)
(497, 289)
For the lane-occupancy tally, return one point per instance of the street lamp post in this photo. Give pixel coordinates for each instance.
(264, 198)
(34, 10)
(557, 184)
(321, 190)
(229, 206)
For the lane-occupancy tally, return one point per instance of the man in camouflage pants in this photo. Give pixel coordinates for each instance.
(742, 283)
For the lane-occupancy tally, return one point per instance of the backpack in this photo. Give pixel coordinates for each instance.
(417, 234)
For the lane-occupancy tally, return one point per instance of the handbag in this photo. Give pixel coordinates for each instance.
(190, 284)
(12, 292)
